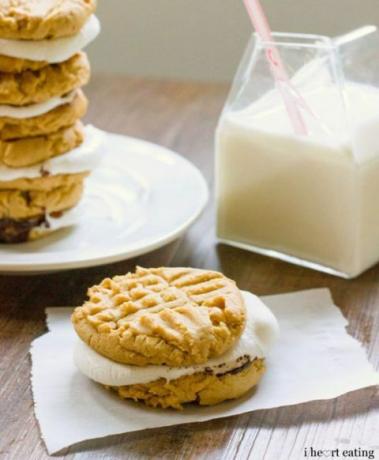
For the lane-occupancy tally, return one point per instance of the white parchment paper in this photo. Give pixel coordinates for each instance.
(314, 359)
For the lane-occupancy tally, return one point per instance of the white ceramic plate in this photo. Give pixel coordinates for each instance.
(141, 197)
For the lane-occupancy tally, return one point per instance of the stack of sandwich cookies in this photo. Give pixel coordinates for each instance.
(171, 336)
(42, 71)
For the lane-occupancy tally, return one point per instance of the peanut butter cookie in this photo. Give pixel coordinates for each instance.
(28, 151)
(43, 183)
(18, 204)
(203, 388)
(33, 86)
(171, 316)
(16, 65)
(41, 19)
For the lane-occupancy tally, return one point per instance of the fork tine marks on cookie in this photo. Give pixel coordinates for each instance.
(174, 308)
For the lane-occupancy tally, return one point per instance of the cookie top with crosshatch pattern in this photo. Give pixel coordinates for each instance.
(162, 316)
(43, 19)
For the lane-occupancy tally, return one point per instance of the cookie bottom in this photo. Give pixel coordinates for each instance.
(202, 388)
(17, 231)
(14, 231)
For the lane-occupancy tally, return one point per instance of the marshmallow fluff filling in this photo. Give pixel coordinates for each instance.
(52, 50)
(35, 110)
(81, 159)
(260, 333)
(66, 219)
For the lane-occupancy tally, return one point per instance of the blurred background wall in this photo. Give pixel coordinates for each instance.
(204, 39)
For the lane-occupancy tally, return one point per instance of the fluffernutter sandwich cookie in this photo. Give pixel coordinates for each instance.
(27, 204)
(42, 70)
(39, 199)
(35, 33)
(170, 336)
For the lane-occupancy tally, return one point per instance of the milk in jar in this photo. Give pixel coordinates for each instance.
(312, 200)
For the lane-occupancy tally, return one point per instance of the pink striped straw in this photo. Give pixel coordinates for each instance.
(262, 27)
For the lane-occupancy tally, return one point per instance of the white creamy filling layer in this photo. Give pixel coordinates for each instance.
(35, 110)
(67, 219)
(53, 50)
(261, 331)
(84, 158)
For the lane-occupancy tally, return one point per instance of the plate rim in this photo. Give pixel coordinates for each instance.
(122, 253)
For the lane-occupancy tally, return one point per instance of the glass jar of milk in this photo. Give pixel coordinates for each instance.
(308, 199)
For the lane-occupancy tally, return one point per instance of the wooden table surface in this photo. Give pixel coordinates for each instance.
(183, 116)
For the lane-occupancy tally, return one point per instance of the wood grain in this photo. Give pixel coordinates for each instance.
(183, 116)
